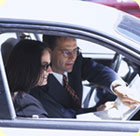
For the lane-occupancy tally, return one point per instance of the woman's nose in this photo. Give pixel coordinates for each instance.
(49, 70)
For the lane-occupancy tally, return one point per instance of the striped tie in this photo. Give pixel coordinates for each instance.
(71, 92)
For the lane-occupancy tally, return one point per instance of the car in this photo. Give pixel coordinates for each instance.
(106, 34)
(129, 6)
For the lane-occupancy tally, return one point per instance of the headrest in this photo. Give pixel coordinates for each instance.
(7, 47)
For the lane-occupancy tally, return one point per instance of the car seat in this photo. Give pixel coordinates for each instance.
(7, 47)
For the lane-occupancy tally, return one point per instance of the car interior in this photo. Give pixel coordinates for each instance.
(119, 63)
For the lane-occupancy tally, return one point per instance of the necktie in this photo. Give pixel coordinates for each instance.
(71, 92)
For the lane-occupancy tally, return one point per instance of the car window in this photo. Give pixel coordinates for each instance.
(90, 49)
(125, 28)
(125, 68)
(100, 54)
(5, 36)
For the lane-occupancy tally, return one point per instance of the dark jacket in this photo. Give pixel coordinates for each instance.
(53, 107)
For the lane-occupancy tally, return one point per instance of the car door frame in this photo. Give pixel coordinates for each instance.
(9, 119)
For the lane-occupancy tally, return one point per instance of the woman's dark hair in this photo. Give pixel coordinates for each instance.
(24, 65)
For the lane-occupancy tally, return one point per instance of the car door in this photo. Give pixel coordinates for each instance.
(10, 124)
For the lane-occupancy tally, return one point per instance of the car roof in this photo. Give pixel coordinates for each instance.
(101, 18)
(60, 11)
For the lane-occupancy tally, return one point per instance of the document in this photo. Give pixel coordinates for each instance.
(121, 112)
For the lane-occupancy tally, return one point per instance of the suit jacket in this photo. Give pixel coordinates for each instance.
(51, 105)
(84, 69)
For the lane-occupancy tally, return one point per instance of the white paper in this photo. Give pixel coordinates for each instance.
(122, 112)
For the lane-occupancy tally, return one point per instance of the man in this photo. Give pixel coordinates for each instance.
(68, 64)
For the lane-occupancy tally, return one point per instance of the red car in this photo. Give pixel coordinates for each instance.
(129, 6)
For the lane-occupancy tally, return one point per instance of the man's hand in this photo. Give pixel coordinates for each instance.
(108, 105)
(125, 98)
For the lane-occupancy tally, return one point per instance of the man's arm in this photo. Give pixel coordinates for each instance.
(106, 78)
(99, 74)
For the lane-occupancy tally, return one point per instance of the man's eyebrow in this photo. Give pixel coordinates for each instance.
(71, 49)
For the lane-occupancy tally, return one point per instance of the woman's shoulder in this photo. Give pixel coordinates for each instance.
(27, 106)
(25, 97)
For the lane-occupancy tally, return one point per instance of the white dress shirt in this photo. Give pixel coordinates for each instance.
(59, 77)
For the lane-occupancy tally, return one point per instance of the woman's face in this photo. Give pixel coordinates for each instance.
(45, 69)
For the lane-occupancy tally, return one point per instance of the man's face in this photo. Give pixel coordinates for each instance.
(64, 55)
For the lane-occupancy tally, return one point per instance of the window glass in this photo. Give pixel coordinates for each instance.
(94, 50)
(129, 28)
(5, 36)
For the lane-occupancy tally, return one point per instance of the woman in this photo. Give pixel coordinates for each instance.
(28, 66)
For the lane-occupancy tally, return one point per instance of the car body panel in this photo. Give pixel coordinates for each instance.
(46, 13)
(72, 124)
(8, 111)
(68, 29)
(54, 132)
(52, 11)
(129, 6)
(56, 19)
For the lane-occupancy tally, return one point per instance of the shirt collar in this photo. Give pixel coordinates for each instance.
(59, 77)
